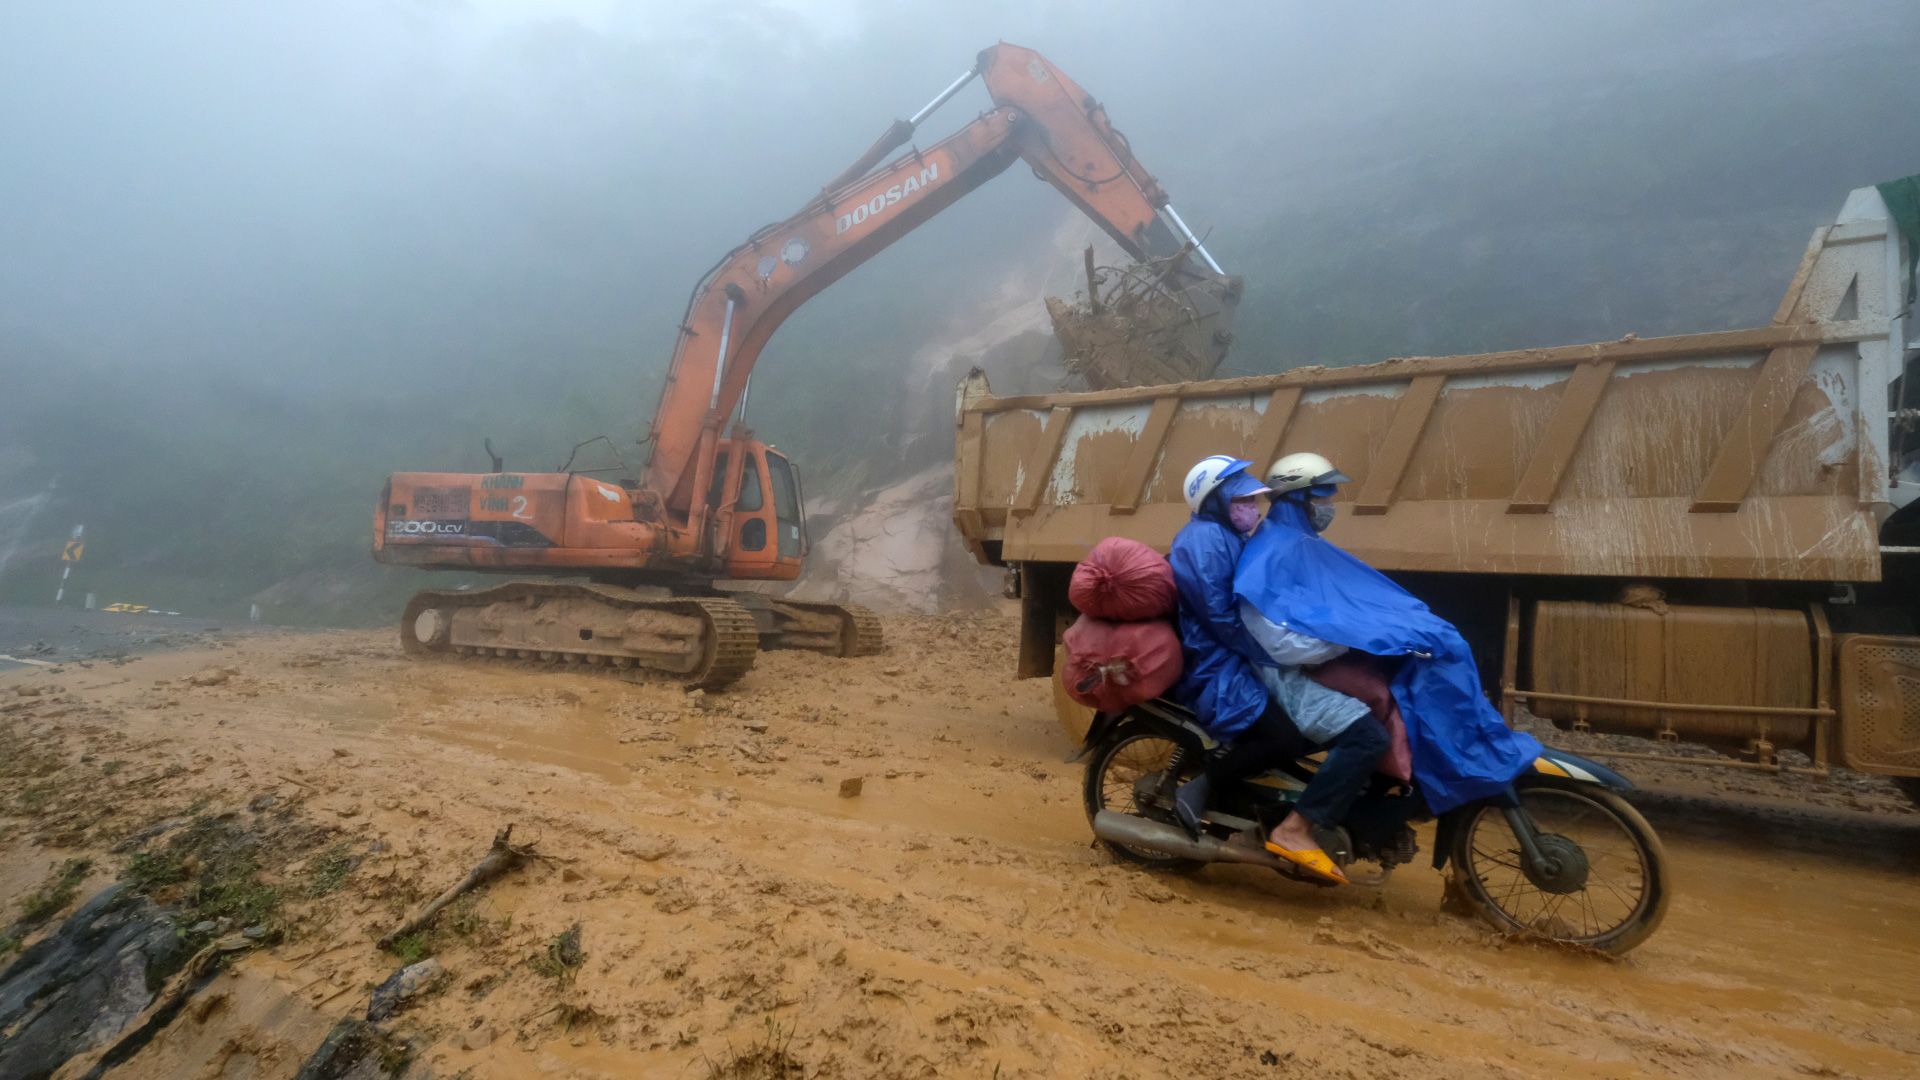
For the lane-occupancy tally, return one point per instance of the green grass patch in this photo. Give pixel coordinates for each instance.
(211, 869)
(766, 1058)
(34, 799)
(413, 948)
(328, 871)
(562, 959)
(55, 893)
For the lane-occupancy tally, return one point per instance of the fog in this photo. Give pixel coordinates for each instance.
(255, 256)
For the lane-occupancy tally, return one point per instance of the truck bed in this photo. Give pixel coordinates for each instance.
(1759, 454)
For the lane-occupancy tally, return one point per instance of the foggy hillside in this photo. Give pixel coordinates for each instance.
(254, 257)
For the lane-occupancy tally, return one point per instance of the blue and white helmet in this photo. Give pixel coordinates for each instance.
(1207, 476)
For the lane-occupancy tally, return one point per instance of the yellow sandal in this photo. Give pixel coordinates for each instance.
(1313, 860)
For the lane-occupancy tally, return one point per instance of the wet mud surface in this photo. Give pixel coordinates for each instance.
(952, 919)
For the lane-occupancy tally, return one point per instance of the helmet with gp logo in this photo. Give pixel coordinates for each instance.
(1203, 478)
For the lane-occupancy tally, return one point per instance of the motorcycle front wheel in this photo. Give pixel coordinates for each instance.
(1610, 888)
(1130, 775)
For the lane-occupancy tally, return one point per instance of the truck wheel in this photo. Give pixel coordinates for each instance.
(1127, 775)
(1910, 785)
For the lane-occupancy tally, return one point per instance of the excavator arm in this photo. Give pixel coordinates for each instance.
(1039, 115)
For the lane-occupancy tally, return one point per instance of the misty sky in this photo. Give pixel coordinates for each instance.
(368, 233)
(306, 193)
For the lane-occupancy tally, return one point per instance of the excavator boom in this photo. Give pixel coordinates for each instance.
(1039, 115)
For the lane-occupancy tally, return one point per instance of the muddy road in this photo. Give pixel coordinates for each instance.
(951, 919)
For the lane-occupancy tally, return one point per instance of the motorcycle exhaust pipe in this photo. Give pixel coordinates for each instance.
(1139, 832)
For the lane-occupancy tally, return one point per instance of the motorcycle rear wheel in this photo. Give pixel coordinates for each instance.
(1112, 779)
(1622, 895)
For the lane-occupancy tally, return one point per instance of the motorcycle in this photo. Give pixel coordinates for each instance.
(1558, 855)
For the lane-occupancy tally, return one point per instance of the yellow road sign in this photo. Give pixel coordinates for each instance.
(71, 553)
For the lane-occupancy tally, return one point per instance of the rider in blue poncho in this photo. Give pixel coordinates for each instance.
(1219, 681)
(1298, 581)
(1216, 680)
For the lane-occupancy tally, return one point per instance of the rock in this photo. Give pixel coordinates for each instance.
(647, 847)
(673, 897)
(477, 1039)
(78, 988)
(570, 875)
(356, 1049)
(400, 986)
(202, 927)
(260, 802)
(212, 676)
(850, 787)
(254, 933)
(758, 727)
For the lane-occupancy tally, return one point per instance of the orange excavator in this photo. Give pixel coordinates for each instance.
(713, 503)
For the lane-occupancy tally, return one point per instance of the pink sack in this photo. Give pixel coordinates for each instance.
(1111, 665)
(1122, 580)
(1370, 679)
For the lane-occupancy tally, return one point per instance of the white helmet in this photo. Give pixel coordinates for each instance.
(1303, 470)
(1203, 478)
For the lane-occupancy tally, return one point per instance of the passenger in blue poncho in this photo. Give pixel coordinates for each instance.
(1296, 582)
(1219, 681)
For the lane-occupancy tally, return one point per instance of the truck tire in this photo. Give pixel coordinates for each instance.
(1910, 785)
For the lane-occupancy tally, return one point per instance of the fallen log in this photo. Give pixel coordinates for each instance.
(500, 858)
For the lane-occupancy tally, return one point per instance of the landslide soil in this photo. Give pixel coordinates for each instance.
(737, 914)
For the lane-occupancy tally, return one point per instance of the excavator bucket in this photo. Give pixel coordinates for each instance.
(1154, 323)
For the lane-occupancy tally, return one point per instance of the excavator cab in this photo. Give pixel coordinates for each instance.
(758, 530)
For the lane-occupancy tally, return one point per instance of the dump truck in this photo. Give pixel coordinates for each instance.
(1707, 538)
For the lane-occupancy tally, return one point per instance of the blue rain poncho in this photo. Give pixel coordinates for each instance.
(1217, 680)
(1462, 750)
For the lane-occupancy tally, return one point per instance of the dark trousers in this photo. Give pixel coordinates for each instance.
(1272, 740)
(1351, 759)
(1269, 741)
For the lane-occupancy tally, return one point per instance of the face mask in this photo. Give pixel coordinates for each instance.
(1244, 515)
(1320, 515)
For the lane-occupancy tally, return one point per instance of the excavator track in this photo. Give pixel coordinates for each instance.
(833, 629)
(701, 641)
(864, 634)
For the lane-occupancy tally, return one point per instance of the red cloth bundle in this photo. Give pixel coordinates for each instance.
(1122, 580)
(1111, 665)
